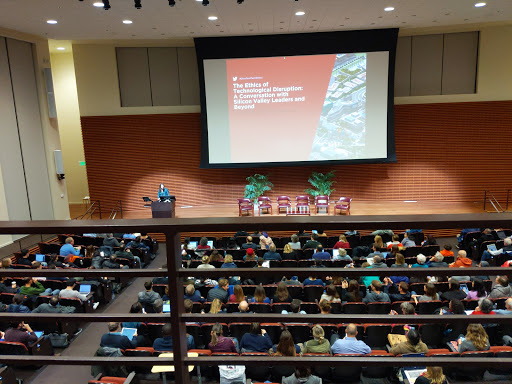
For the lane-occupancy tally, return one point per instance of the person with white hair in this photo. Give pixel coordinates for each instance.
(437, 261)
(508, 308)
(507, 247)
(421, 262)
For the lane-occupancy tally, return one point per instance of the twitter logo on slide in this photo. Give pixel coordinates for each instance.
(235, 78)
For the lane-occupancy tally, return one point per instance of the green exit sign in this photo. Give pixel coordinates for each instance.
(82, 163)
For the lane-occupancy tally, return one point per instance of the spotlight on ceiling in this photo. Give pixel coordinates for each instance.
(172, 3)
(106, 5)
(239, 1)
(138, 4)
(205, 2)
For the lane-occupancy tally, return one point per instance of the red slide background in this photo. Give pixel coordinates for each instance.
(278, 131)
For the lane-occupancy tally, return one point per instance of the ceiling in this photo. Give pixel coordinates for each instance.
(79, 20)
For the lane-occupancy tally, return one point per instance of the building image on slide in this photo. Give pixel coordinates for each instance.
(341, 131)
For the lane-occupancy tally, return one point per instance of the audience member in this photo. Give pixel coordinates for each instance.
(433, 375)
(485, 307)
(257, 340)
(232, 244)
(69, 249)
(192, 294)
(462, 261)
(349, 344)
(205, 262)
(350, 291)
(165, 343)
(312, 280)
(250, 255)
(33, 287)
(429, 295)
(507, 247)
(249, 244)
(265, 241)
(447, 250)
(259, 295)
(302, 375)
(376, 295)
(342, 243)
(378, 262)
(282, 295)
(320, 254)
(271, 254)
(437, 261)
(412, 345)
(331, 294)
(325, 307)
(501, 289)
(395, 240)
(111, 241)
(295, 242)
(342, 255)
(476, 339)
(453, 292)
(430, 240)
(219, 343)
(23, 259)
(148, 297)
(202, 247)
(507, 310)
(377, 240)
(407, 242)
(294, 308)
(7, 289)
(114, 338)
(17, 304)
(238, 294)
(420, 262)
(312, 242)
(70, 293)
(319, 344)
(220, 292)
(228, 262)
(243, 307)
(399, 262)
(289, 253)
(403, 290)
(286, 346)
(19, 332)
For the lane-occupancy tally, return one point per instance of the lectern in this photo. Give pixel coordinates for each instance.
(163, 209)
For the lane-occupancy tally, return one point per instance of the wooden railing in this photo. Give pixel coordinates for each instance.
(172, 228)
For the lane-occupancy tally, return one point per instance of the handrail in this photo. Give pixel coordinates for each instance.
(172, 229)
(115, 210)
(90, 211)
(494, 202)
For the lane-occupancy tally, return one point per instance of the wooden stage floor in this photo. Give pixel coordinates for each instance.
(360, 207)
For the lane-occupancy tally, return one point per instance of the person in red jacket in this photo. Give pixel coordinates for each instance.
(462, 261)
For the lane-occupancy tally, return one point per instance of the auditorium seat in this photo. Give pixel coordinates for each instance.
(428, 307)
(343, 205)
(279, 307)
(231, 307)
(274, 331)
(237, 330)
(257, 372)
(346, 373)
(354, 308)
(312, 292)
(310, 308)
(283, 203)
(264, 203)
(378, 308)
(432, 335)
(194, 330)
(245, 205)
(377, 335)
(260, 307)
(140, 352)
(154, 330)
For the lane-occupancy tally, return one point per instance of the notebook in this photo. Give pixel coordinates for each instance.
(39, 257)
(85, 288)
(129, 332)
(412, 374)
(396, 339)
(491, 247)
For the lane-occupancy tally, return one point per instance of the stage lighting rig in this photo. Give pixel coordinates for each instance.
(106, 5)
(206, 2)
(138, 4)
(172, 3)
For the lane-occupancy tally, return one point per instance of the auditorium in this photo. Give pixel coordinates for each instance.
(168, 214)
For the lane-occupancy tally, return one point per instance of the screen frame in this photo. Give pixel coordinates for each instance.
(300, 44)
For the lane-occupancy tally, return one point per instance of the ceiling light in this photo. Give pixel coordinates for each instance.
(106, 5)
(212, 18)
(127, 22)
(60, 48)
(478, 5)
(138, 4)
(205, 2)
(389, 9)
(172, 3)
(51, 21)
(239, 1)
(300, 13)
(98, 4)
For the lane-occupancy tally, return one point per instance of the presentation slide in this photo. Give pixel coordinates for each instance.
(297, 108)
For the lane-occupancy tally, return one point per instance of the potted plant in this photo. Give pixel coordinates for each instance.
(256, 186)
(322, 184)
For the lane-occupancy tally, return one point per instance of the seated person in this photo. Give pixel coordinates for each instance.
(111, 263)
(378, 262)
(257, 340)
(403, 290)
(395, 240)
(289, 253)
(202, 247)
(111, 241)
(407, 241)
(265, 240)
(8, 289)
(320, 254)
(238, 294)
(148, 297)
(205, 262)
(33, 287)
(70, 293)
(219, 343)
(350, 292)
(476, 339)
(325, 307)
(485, 307)
(282, 295)
(331, 294)
(19, 332)
(294, 308)
(220, 292)
(250, 255)
(243, 307)
(318, 344)
(228, 262)
(312, 243)
(260, 295)
(342, 255)
(272, 254)
(312, 280)
(286, 346)
(69, 249)
(126, 253)
(433, 375)
(23, 259)
(137, 244)
(412, 345)
(453, 292)
(376, 295)
(507, 247)
(349, 344)
(501, 289)
(17, 304)
(192, 294)
(437, 261)
(429, 295)
(420, 262)
(462, 260)
(447, 250)
(165, 343)
(295, 242)
(406, 308)
(114, 339)
(399, 262)
(302, 375)
(249, 244)
(341, 243)
(53, 306)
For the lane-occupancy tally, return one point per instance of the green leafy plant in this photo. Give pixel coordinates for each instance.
(322, 184)
(256, 186)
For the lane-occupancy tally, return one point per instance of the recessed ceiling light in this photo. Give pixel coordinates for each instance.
(127, 22)
(389, 9)
(478, 5)
(300, 13)
(98, 4)
(212, 18)
(51, 21)
(60, 48)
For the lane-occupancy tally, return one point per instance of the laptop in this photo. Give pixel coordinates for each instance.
(39, 257)
(491, 247)
(335, 252)
(464, 287)
(39, 333)
(85, 288)
(167, 308)
(501, 235)
(210, 243)
(129, 332)
(192, 244)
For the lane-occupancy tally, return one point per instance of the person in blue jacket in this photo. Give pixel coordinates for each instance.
(162, 191)
(257, 340)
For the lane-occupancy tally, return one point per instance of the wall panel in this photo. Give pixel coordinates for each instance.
(444, 153)
(163, 69)
(459, 63)
(133, 71)
(426, 65)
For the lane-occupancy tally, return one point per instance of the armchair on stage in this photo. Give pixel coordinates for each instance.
(322, 202)
(301, 205)
(264, 202)
(343, 204)
(245, 205)
(283, 202)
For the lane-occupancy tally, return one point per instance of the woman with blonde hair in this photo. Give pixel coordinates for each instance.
(378, 241)
(476, 339)
(434, 375)
(216, 306)
(319, 344)
(289, 253)
(238, 294)
(342, 243)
